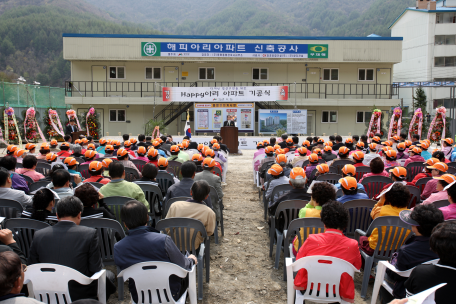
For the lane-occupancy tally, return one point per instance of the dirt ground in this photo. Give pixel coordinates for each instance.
(241, 269)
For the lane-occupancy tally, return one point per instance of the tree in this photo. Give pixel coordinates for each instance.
(7, 47)
(419, 100)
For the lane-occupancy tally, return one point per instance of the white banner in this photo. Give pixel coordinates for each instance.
(225, 94)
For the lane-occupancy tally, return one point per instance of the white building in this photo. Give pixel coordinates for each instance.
(428, 49)
(276, 120)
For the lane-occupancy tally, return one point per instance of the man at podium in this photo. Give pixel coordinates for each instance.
(69, 129)
(229, 122)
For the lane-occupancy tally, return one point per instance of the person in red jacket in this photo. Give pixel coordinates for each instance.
(64, 150)
(96, 171)
(358, 158)
(127, 146)
(426, 171)
(153, 155)
(331, 243)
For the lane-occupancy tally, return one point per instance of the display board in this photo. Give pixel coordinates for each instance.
(291, 121)
(209, 117)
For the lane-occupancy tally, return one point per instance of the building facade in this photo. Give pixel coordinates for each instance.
(338, 80)
(428, 50)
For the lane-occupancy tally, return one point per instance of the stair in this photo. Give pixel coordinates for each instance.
(172, 111)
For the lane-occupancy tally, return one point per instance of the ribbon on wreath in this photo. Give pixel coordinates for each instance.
(440, 111)
(397, 113)
(10, 112)
(31, 114)
(1, 137)
(59, 129)
(418, 114)
(72, 114)
(91, 112)
(157, 129)
(372, 122)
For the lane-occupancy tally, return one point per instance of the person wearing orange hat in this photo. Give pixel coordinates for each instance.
(426, 171)
(278, 178)
(349, 170)
(106, 162)
(44, 150)
(438, 169)
(442, 182)
(127, 146)
(141, 154)
(302, 156)
(447, 147)
(10, 150)
(122, 156)
(343, 153)
(390, 159)
(213, 180)
(152, 156)
(358, 158)
(162, 165)
(424, 146)
(414, 156)
(53, 145)
(29, 168)
(89, 156)
(197, 159)
(359, 147)
(269, 151)
(51, 157)
(290, 145)
(72, 165)
(349, 144)
(96, 173)
(313, 163)
(211, 153)
(20, 154)
(258, 155)
(101, 148)
(328, 155)
(109, 151)
(175, 154)
(64, 150)
(373, 149)
(350, 188)
(157, 145)
(134, 144)
(31, 149)
(401, 154)
(282, 161)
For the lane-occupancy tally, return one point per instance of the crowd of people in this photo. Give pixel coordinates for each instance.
(67, 198)
(282, 161)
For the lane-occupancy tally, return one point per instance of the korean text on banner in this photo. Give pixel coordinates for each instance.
(225, 94)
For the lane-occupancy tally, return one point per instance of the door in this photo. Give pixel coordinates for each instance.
(384, 83)
(100, 112)
(171, 75)
(313, 83)
(98, 81)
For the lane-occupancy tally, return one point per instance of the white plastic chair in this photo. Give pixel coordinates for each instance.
(152, 282)
(319, 271)
(49, 282)
(380, 275)
(290, 156)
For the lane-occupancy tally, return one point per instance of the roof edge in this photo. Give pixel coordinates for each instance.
(421, 11)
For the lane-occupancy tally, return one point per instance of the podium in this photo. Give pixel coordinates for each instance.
(230, 138)
(75, 135)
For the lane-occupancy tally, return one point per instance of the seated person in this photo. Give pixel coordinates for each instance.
(358, 158)
(54, 168)
(10, 150)
(77, 151)
(442, 182)
(90, 197)
(322, 193)
(426, 171)
(109, 151)
(162, 165)
(299, 192)
(152, 156)
(359, 147)
(101, 148)
(141, 154)
(219, 156)
(313, 163)
(196, 208)
(29, 168)
(134, 144)
(328, 155)
(415, 251)
(18, 182)
(372, 154)
(118, 186)
(401, 151)
(12, 194)
(442, 241)
(43, 203)
(278, 178)
(440, 156)
(449, 212)
(414, 156)
(344, 153)
(322, 169)
(350, 189)
(438, 169)
(44, 150)
(424, 146)
(213, 181)
(390, 159)
(31, 149)
(377, 169)
(258, 155)
(84, 143)
(64, 150)
(106, 162)
(289, 145)
(53, 144)
(397, 175)
(198, 160)
(211, 153)
(349, 144)
(51, 158)
(157, 145)
(396, 200)
(122, 157)
(149, 173)
(182, 154)
(349, 170)
(127, 147)
(302, 156)
(96, 174)
(269, 151)
(61, 183)
(72, 165)
(19, 154)
(71, 245)
(331, 243)
(447, 147)
(145, 244)
(89, 156)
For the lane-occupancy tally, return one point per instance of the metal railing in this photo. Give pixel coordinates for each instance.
(298, 90)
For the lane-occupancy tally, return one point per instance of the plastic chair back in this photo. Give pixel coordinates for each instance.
(359, 215)
(305, 163)
(10, 208)
(290, 211)
(441, 203)
(413, 169)
(170, 171)
(23, 231)
(340, 164)
(171, 201)
(360, 171)
(153, 195)
(28, 179)
(217, 172)
(139, 163)
(49, 282)
(176, 166)
(37, 185)
(331, 178)
(279, 190)
(310, 225)
(451, 170)
(116, 203)
(98, 185)
(84, 170)
(217, 203)
(415, 194)
(19, 165)
(452, 164)
(131, 174)
(312, 174)
(421, 183)
(183, 231)
(165, 180)
(43, 168)
(374, 184)
(106, 230)
(322, 271)
(332, 170)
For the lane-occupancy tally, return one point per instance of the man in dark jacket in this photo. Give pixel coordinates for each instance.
(339, 143)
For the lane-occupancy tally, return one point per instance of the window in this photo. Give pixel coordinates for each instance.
(366, 74)
(445, 18)
(206, 73)
(362, 117)
(260, 74)
(331, 74)
(444, 61)
(447, 103)
(445, 40)
(444, 79)
(117, 116)
(153, 73)
(329, 116)
(117, 72)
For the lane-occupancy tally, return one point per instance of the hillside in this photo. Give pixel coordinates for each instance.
(31, 39)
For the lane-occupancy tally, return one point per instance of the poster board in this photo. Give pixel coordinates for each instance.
(292, 121)
(209, 117)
